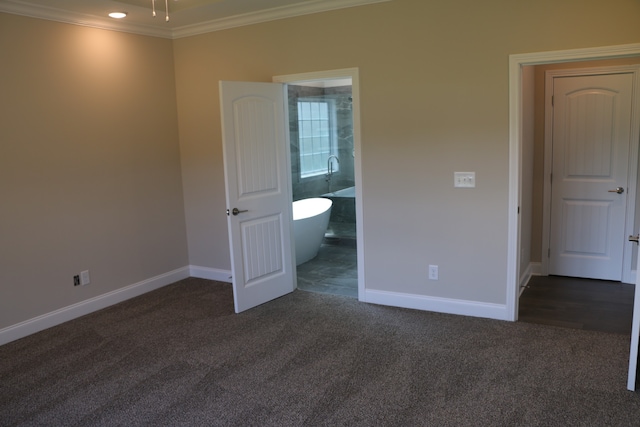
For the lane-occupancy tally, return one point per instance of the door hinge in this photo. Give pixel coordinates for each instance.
(553, 100)
(551, 178)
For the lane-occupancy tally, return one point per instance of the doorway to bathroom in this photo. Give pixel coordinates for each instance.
(324, 149)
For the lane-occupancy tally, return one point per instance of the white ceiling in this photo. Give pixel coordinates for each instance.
(187, 17)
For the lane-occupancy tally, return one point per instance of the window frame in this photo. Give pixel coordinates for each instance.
(332, 135)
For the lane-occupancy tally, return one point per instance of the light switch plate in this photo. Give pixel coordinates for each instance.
(464, 179)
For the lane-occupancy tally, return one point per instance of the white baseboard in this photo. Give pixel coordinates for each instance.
(210, 273)
(82, 308)
(527, 273)
(533, 269)
(440, 305)
(536, 269)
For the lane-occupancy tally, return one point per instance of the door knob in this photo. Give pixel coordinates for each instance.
(236, 211)
(618, 190)
(635, 239)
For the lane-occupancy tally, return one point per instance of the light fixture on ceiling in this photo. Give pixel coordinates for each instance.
(118, 15)
(166, 9)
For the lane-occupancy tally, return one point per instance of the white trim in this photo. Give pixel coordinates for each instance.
(635, 337)
(317, 76)
(210, 273)
(515, 185)
(49, 13)
(526, 276)
(516, 62)
(628, 273)
(291, 11)
(535, 269)
(18, 7)
(439, 305)
(331, 122)
(82, 308)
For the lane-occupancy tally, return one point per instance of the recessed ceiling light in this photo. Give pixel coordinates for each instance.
(118, 15)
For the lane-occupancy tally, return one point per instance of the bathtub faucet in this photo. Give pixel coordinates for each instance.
(330, 166)
(330, 169)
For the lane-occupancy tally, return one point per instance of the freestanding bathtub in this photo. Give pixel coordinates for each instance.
(310, 221)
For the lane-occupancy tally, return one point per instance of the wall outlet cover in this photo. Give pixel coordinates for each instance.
(433, 272)
(464, 179)
(85, 279)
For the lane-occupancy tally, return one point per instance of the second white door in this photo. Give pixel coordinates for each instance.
(591, 140)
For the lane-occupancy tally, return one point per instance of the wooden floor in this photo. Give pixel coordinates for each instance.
(594, 305)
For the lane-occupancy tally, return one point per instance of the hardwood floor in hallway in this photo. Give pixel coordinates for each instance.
(568, 302)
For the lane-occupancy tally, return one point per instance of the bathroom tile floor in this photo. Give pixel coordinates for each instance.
(334, 270)
(342, 230)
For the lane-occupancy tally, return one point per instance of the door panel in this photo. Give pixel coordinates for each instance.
(257, 185)
(591, 140)
(261, 251)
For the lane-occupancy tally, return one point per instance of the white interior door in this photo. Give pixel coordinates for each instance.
(591, 140)
(257, 180)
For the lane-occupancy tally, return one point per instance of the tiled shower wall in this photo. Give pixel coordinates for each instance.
(317, 186)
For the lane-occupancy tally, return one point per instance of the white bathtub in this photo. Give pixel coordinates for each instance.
(310, 221)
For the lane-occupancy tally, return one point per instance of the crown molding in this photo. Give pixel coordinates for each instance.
(306, 8)
(18, 7)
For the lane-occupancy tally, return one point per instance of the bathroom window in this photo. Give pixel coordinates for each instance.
(317, 136)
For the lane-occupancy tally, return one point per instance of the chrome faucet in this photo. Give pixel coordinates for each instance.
(330, 169)
(330, 164)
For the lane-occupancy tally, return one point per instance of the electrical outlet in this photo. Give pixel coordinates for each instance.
(433, 272)
(85, 279)
(76, 280)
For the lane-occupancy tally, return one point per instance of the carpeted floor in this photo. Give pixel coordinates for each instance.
(179, 356)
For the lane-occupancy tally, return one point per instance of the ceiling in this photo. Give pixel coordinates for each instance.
(187, 17)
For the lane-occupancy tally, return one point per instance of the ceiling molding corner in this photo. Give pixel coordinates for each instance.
(48, 13)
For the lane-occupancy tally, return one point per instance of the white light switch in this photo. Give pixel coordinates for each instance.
(464, 179)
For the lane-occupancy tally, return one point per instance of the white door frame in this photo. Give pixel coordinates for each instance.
(628, 272)
(516, 62)
(353, 74)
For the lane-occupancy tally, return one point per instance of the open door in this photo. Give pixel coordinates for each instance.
(635, 330)
(257, 181)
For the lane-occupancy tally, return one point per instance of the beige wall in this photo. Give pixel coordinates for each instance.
(89, 164)
(434, 100)
(90, 172)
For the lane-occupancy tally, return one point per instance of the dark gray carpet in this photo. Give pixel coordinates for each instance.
(180, 357)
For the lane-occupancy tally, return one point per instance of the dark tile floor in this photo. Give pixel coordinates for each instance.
(334, 270)
(567, 302)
